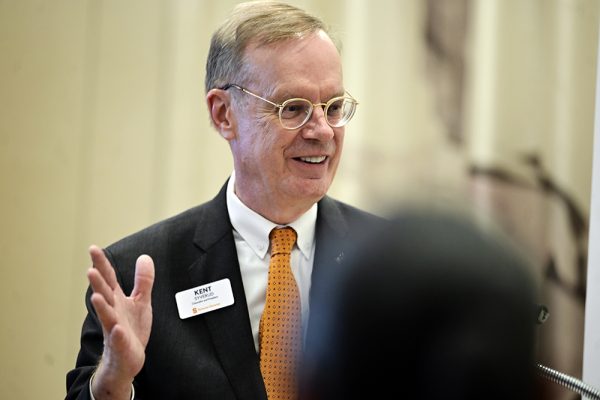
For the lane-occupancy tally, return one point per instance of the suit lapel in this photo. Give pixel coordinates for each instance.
(230, 326)
(331, 231)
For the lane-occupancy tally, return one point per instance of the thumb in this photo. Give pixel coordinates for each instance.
(144, 278)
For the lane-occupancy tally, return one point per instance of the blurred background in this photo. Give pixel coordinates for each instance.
(480, 105)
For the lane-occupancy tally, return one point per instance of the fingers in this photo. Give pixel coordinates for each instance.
(100, 286)
(144, 279)
(105, 312)
(102, 264)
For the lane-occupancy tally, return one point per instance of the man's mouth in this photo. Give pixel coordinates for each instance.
(313, 159)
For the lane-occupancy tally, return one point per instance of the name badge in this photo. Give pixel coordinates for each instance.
(205, 298)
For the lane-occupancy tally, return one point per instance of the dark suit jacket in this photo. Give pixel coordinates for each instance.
(210, 356)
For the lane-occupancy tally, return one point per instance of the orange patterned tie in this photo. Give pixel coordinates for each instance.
(280, 330)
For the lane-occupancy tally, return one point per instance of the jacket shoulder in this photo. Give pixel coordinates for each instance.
(339, 212)
(178, 230)
(182, 224)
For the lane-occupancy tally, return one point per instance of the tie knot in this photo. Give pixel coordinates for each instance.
(282, 240)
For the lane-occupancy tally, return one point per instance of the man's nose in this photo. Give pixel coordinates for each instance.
(317, 127)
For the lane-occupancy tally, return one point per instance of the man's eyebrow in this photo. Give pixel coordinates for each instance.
(280, 96)
(285, 94)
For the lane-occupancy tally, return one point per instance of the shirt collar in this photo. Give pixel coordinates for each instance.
(254, 228)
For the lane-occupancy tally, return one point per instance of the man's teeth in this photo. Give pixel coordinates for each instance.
(313, 160)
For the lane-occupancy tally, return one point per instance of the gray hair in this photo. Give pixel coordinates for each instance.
(256, 22)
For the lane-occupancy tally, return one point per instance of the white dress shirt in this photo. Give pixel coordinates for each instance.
(251, 235)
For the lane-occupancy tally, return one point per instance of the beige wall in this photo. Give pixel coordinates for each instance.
(531, 91)
(103, 131)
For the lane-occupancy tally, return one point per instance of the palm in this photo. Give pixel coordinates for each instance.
(135, 319)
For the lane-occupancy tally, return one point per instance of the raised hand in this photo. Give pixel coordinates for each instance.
(126, 324)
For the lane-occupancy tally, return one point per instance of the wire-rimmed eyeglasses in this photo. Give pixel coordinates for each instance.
(294, 113)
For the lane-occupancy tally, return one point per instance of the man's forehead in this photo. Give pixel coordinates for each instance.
(308, 66)
(309, 91)
(283, 87)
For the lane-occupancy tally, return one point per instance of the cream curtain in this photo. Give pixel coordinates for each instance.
(104, 131)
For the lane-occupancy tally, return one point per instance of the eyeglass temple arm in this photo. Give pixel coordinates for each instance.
(352, 97)
(230, 85)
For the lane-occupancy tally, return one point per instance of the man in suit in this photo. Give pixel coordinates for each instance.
(275, 94)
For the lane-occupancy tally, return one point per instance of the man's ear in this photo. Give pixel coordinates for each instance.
(221, 116)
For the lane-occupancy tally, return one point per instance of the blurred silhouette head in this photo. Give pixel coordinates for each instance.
(429, 307)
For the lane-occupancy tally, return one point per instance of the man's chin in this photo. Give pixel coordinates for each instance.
(310, 190)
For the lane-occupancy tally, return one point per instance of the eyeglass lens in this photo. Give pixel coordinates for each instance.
(296, 112)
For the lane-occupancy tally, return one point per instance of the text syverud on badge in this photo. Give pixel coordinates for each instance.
(203, 293)
(205, 298)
